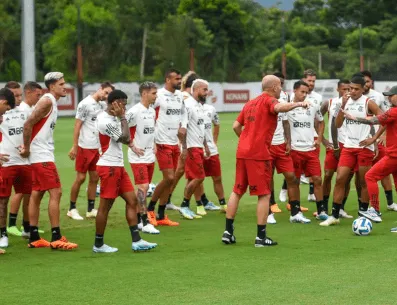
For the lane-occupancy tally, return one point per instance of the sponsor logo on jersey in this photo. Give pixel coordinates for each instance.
(200, 122)
(12, 131)
(148, 130)
(302, 124)
(173, 111)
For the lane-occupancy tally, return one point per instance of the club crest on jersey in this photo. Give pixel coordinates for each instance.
(308, 112)
(52, 126)
(93, 118)
(360, 108)
(22, 116)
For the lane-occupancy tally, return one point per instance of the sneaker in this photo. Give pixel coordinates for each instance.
(371, 214)
(149, 228)
(185, 212)
(311, 198)
(171, 206)
(210, 206)
(63, 244)
(25, 235)
(228, 238)
(343, 214)
(322, 216)
(41, 243)
(259, 243)
(140, 226)
(330, 222)
(303, 209)
(74, 214)
(142, 245)
(271, 220)
(275, 209)
(167, 222)
(393, 230)
(392, 207)
(92, 214)
(104, 249)
(299, 218)
(283, 195)
(304, 180)
(201, 211)
(14, 231)
(223, 208)
(151, 216)
(4, 242)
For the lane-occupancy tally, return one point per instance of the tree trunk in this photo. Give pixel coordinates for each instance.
(143, 57)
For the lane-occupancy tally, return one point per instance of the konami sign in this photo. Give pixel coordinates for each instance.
(236, 96)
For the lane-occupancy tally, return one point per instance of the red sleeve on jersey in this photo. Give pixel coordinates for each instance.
(132, 132)
(157, 112)
(272, 103)
(388, 117)
(240, 117)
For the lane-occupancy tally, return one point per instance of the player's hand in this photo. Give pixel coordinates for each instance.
(376, 151)
(73, 152)
(181, 133)
(367, 142)
(287, 148)
(183, 154)
(317, 143)
(117, 110)
(327, 144)
(24, 152)
(138, 151)
(305, 104)
(4, 158)
(336, 153)
(155, 149)
(207, 152)
(349, 116)
(382, 140)
(345, 98)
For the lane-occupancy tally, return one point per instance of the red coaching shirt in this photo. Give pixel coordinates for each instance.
(260, 122)
(389, 119)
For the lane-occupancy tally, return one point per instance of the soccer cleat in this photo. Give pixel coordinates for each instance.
(201, 211)
(14, 231)
(63, 244)
(330, 222)
(171, 206)
(393, 230)
(343, 214)
(4, 242)
(299, 218)
(223, 208)
(92, 214)
(25, 235)
(185, 212)
(194, 215)
(283, 195)
(265, 242)
(228, 238)
(392, 207)
(370, 214)
(322, 216)
(142, 245)
(41, 243)
(104, 249)
(271, 220)
(311, 198)
(74, 214)
(149, 228)
(304, 180)
(167, 222)
(303, 209)
(275, 209)
(210, 206)
(151, 216)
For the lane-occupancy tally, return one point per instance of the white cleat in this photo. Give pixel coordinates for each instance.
(74, 214)
(143, 245)
(4, 242)
(311, 198)
(271, 220)
(343, 214)
(304, 180)
(330, 222)
(370, 214)
(171, 206)
(299, 218)
(392, 207)
(283, 195)
(104, 249)
(211, 207)
(92, 214)
(149, 228)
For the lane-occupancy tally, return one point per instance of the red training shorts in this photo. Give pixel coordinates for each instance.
(45, 176)
(167, 156)
(86, 160)
(257, 174)
(306, 162)
(381, 153)
(114, 181)
(143, 172)
(212, 166)
(331, 163)
(194, 165)
(282, 162)
(353, 157)
(19, 176)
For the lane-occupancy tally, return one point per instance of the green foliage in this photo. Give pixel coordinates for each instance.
(272, 62)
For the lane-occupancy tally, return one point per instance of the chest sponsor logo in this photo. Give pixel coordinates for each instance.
(302, 124)
(173, 111)
(200, 122)
(208, 126)
(12, 131)
(236, 96)
(351, 122)
(148, 130)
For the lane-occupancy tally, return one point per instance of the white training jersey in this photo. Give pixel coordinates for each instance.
(42, 143)
(109, 129)
(356, 131)
(188, 99)
(379, 100)
(143, 119)
(171, 113)
(87, 112)
(278, 137)
(301, 122)
(26, 108)
(334, 105)
(12, 130)
(195, 133)
(210, 117)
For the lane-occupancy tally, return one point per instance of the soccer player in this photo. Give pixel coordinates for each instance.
(141, 120)
(170, 128)
(85, 149)
(18, 169)
(304, 149)
(38, 145)
(16, 88)
(354, 152)
(255, 127)
(113, 132)
(7, 102)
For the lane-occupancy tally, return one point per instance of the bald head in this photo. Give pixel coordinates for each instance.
(271, 84)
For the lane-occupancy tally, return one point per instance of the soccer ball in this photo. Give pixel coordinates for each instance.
(150, 191)
(362, 226)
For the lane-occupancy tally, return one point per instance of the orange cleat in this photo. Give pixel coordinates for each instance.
(275, 209)
(303, 209)
(41, 243)
(63, 244)
(151, 216)
(167, 222)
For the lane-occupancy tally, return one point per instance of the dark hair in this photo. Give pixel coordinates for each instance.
(6, 94)
(145, 86)
(343, 81)
(31, 86)
(12, 85)
(309, 72)
(107, 85)
(279, 75)
(358, 74)
(189, 81)
(300, 83)
(170, 71)
(366, 73)
(358, 80)
(116, 95)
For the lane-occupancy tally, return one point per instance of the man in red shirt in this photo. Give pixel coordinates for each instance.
(255, 127)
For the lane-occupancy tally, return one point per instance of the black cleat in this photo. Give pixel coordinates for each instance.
(264, 242)
(228, 238)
